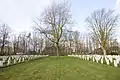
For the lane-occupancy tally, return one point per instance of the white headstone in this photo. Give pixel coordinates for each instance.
(107, 61)
(12, 57)
(9, 61)
(1, 63)
(23, 59)
(19, 59)
(87, 58)
(111, 59)
(93, 59)
(15, 61)
(115, 63)
(97, 60)
(101, 60)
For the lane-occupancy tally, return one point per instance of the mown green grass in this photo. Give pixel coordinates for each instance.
(65, 68)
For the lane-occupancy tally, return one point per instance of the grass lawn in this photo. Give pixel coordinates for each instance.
(65, 68)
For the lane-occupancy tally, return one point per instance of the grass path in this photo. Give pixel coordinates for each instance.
(65, 68)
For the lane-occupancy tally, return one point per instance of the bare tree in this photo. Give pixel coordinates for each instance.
(35, 42)
(70, 40)
(41, 43)
(54, 19)
(22, 42)
(4, 33)
(90, 46)
(102, 24)
(28, 41)
(8, 45)
(76, 40)
(14, 43)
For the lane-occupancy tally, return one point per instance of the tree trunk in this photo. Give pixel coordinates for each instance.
(8, 49)
(57, 48)
(2, 48)
(104, 51)
(14, 48)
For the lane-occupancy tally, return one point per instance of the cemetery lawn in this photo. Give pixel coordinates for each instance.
(65, 68)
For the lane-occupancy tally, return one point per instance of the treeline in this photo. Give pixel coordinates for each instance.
(20, 43)
(52, 34)
(72, 42)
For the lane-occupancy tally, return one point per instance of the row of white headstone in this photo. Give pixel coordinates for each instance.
(107, 59)
(14, 59)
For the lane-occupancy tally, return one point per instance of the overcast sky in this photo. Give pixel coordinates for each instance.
(18, 14)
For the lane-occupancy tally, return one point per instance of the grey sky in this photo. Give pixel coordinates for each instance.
(118, 6)
(18, 14)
